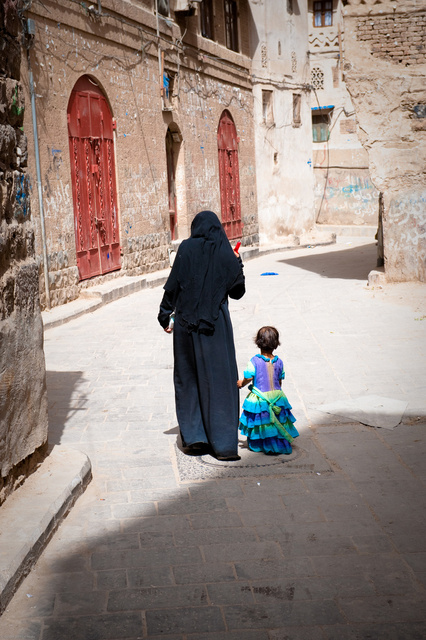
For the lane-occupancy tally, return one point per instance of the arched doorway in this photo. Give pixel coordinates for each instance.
(171, 181)
(227, 143)
(91, 142)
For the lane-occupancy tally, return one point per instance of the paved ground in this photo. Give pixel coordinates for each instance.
(327, 545)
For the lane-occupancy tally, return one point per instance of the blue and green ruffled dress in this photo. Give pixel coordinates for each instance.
(266, 418)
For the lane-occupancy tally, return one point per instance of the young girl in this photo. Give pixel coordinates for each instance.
(266, 418)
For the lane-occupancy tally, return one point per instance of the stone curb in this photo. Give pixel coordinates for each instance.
(93, 298)
(377, 278)
(31, 515)
(354, 231)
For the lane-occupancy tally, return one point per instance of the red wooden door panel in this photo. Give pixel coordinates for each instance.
(229, 176)
(93, 180)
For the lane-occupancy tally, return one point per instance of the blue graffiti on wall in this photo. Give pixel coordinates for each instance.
(22, 198)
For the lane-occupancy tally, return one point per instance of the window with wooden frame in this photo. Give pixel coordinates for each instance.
(323, 13)
(231, 25)
(321, 119)
(206, 19)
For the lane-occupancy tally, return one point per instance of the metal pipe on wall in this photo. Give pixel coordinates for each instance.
(39, 189)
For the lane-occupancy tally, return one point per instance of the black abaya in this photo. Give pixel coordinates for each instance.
(205, 370)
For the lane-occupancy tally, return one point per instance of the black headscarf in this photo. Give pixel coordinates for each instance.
(204, 271)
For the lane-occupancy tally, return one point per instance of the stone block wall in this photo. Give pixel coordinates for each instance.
(23, 401)
(119, 51)
(385, 69)
(397, 37)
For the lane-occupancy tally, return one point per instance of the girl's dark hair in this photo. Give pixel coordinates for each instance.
(267, 338)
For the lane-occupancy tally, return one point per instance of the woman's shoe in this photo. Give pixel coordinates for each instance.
(197, 448)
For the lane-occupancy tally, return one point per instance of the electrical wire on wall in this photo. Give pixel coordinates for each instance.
(330, 129)
(147, 39)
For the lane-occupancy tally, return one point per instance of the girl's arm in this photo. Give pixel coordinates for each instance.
(242, 383)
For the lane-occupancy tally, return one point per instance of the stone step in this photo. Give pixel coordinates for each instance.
(367, 231)
(31, 515)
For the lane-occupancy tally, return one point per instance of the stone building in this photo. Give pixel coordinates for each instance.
(280, 74)
(23, 401)
(385, 68)
(344, 191)
(145, 117)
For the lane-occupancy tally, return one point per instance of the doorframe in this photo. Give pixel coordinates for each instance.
(82, 86)
(181, 222)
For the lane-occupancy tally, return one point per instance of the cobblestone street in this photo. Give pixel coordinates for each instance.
(327, 544)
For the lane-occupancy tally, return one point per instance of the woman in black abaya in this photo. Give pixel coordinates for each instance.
(205, 272)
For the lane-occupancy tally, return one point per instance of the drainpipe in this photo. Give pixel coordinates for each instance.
(39, 190)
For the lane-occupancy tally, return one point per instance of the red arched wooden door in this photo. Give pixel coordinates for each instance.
(90, 130)
(227, 143)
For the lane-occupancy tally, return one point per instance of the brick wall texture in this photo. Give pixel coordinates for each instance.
(384, 72)
(400, 39)
(119, 51)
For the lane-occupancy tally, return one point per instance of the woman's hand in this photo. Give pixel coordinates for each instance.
(239, 383)
(168, 330)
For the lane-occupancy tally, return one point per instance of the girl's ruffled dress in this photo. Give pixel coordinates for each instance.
(266, 418)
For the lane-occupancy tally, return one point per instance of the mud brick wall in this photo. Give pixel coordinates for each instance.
(23, 402)
(400, 39)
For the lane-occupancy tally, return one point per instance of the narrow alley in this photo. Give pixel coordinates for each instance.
(327, 544)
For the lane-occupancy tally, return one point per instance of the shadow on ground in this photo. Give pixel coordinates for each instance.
(65, 402)
(330, 556)
(353, 264)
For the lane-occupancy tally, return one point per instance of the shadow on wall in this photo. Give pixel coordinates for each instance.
(347, 264)
(65, 403)
(254, 36)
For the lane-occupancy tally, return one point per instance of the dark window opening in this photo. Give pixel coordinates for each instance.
(171, 181)
(297, 103)
(168, 89)
(323, 13)
(231, 25)
(163, 7)
(206, 19)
